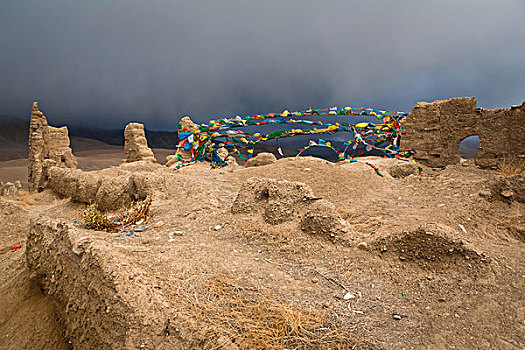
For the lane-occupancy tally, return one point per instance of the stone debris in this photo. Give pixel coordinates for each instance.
(362, 245)
(135, 144)
(48, 146)
(232, 163)
(321, 218)
(401, 169)
(140, 228)
(186, 124)
(276, 199)
(349, 296)
(9, 188)
(509, 189)
(283, 201)
(222, 153)
(262, 158)
(171, 160)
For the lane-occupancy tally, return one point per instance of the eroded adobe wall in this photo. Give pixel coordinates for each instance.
(135, 144)
(109, 189)
(433, 132)
(502, 133)
(97, 304)
(48, 146)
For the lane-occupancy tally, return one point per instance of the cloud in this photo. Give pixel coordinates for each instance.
(105, 63)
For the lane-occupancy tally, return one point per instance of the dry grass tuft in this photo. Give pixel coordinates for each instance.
(509, 167)
(95, 220)
(139, 211)
(243, 318)
(25, 198)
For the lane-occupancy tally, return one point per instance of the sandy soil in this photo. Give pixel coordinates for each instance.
(442, 267)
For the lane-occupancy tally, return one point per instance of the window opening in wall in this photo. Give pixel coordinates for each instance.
(469, 146)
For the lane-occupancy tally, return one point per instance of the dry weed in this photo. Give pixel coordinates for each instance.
(24, 198)
(252, 320)
(509, 167)
(139, 211)
(95, 220)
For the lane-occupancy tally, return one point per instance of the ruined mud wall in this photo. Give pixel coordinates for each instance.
(135, 144)
(48, 146)
(109, 189)
(286, 201)
(96, 302)
(433, 132)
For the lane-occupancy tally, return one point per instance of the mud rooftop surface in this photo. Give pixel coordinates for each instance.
(300, 253)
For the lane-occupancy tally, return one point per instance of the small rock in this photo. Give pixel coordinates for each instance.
(402, 258)
(362, 245)
(262, 158)
(349, 296)
(217, 227)
(315, 280)
(507, 193)
(441, 300)
(140, 228)
(396, 317)
(307, 170)
(159, 223)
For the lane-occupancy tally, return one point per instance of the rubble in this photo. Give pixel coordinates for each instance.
(262, 158)
(510, 189)
(186, 124)
(283, 201)
(9, 188)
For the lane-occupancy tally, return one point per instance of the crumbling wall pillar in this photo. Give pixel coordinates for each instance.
(136, 145)
(46, 145)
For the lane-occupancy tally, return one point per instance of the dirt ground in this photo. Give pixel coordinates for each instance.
(419, 262)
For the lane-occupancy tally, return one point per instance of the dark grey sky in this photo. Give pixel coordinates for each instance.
(103, 63)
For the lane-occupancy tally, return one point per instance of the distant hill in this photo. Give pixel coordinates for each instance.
(13, 129)
(14, 134)
(156, 139)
